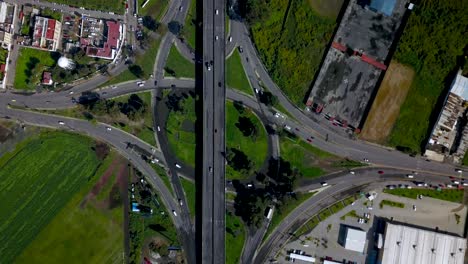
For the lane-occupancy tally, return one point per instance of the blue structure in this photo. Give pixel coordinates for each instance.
(135, 207)
(383, 6)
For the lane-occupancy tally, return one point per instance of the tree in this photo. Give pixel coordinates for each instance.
(238, 160)
(246, 126)
(150, 23)
(268, 98)
(136, 70)
(175, 28)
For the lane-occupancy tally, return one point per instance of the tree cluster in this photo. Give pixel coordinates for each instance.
(133, 108)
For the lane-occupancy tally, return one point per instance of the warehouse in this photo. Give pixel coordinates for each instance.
(404, 244)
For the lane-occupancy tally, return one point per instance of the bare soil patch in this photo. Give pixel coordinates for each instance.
(386, 107)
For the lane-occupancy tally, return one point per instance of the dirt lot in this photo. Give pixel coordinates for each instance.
(328, 8)
(386, 106)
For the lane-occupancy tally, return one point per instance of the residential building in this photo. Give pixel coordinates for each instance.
(46, 33)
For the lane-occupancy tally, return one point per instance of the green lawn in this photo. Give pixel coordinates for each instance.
(82, 234)
(163, 175)
(283, 211)
(432, 62)
(235, 238)
(182, 138)
(155, 8)
(178, 66)
(34, 192)
(351, 213)
(189, 188)
(47, 12)
(116, 6)
(235, 74)
(300, 156)
(255, 147)
(291, 40)
(455, 196)
(308, 226)
(189, 27)
(391, 203)
(30, 65)
(465, 159)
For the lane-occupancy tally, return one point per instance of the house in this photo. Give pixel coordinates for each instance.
(47, 78)
(46, 33)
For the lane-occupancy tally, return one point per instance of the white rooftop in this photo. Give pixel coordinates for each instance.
(460, 86)
(355, 239)
(405, 244)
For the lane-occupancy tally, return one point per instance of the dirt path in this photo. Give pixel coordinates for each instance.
(122, 179)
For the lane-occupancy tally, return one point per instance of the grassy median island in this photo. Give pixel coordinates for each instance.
(189, 189)
(178, 66)
(235, 74)
(433, 62)
(190, 26)
(155, 8)
(391, 203)
(455, 196)
(291, 38)
(116, 6)
(90, 226)
(235, 238)
(34, 192)
(246, 142)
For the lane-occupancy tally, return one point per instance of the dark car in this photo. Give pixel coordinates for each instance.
(380, 172)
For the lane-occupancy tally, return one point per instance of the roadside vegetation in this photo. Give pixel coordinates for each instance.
(391, 203)
(178, 66)
(155, 8)
(235, 238)
(90, 226)
(246, 142)
(435, 64)
(455, 196)
(117, 6)
(189, 189)
(132, 113)
(291, 38)
(151, 229)
(235, 74)
(163, 175)
(190, 26)
(36, 191)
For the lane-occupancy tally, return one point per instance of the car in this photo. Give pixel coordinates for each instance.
(155, 160)
(455, 182)
(309, 140)
(180, 202)
(71, 92)
(369, 208)
(178, 166)
(240, 49)
(141, 85)
(159, 129)
(108, 128)
(449, 186)
(256, 90)
(174, 212)
(391, 187)
(380, 172)
(61, 123)
(209, 68)
(465, 183)
(210, 169)
(458, 170)
(409, 176)
(324, 184)
(219, 84)
(216, 37)
(230, 39)
(297, 129)
(249, 185)
(287, 127)
(352, 172)
(13, 100)
(217, 12)
(401, 186)
(366, 160)
(414, 207)
(181, 8)
(155, 83)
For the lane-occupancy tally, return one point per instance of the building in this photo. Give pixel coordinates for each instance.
(295, 256)
(356, 60)
(100, 38)
(46, 33)
(355, 240)
(47, 78)
(404, 244)
(135, 207)
(450, 133)
(7, 12)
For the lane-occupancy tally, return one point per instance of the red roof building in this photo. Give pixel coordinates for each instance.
(46, 33)
(107, 51)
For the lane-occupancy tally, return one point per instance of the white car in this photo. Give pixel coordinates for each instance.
(352, 172)
(414, 207)
(61, 123)
(109, 129)
(178, 166)
(209, 68)
(216, 37)
(230, 39)
(449, 186)
(217, 12)
(174, 212)
(180, 202)
(141, 85)
(287, 127)
(249, 185)
(409, 176)
(324, 184)
(159, 129)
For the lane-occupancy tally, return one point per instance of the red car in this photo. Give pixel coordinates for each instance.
(380, 172)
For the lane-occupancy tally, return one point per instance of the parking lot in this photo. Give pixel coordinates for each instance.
(432, 214)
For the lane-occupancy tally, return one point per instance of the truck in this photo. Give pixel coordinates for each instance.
(269, 213)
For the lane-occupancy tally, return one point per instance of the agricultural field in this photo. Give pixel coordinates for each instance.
(117, 6)
(36, 191)
(29, 67)
(235, 238)
(434, 64)
(90, 226)
(244, 134)
(386, 106)
(178, 66)
(291, 40)
(235, 74)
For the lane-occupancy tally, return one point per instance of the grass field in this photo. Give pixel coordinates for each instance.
(236, 77)
(116, 6)
(455, 196)
(29, 67)
(181, 137)
(255, 147)
(328, 8)
(291, 42)
(33, 192)
(391, 203)
(386, 106)
(85, 231)
(235, 238)
(189, 188)
(286, 208)
(179, 65)
(190, 27)
(155, 8)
